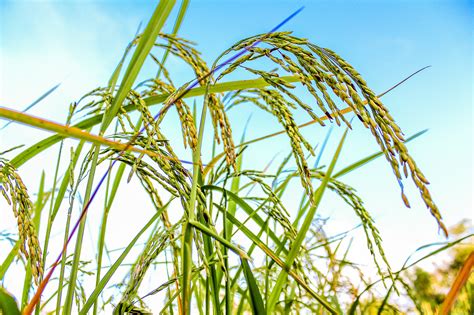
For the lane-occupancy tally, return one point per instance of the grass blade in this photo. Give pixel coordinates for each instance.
(147, 40)
(9, 259)
(254, 291)
(103, 225)
(296, 245)
(7, 303)
(219, 238)
(42, 145)
(103, 282)
(35, 102)
(115, 75)
(275, 258)
(244, 206)
(182, 11)
(371, 157)
(67, 131)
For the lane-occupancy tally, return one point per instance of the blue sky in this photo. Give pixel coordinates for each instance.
(79, 43)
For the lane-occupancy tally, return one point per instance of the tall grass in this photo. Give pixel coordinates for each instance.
(235, 246)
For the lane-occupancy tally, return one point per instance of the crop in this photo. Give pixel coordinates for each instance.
(219, 231)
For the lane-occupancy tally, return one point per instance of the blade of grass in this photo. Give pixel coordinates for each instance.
(67, 131)
(321, 151)
(271, 254)
(34, 103)
(219, 238)
(234, 285)
(66, 238)
(115, 75)
(42, 145)
(103, 282)
(254, 291)
(187, 261)
(147, 40)
(50, 221)
(179, 19)
(227, 231)
(79, 227)
(56, 203)
(244, 206)
(235, 186)
(9, 259)
(103, 225)
(212, 272)
(296, 245)
(7, 303)
(371, 157)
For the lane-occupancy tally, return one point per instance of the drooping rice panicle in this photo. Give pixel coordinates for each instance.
(15, 193)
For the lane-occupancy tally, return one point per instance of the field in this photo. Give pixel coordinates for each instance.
(180, 185)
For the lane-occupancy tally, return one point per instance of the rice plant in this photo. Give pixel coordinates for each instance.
(222, 237)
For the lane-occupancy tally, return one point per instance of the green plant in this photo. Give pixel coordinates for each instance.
(222, 204)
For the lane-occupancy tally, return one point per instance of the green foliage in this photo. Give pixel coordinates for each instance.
(8, 304)
(221, 234)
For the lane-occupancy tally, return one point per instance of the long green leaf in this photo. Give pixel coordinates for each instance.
(147, 40)
(255, 295)
(296, 245)
(244, 206)
(8, 304)
(177, 24)
(271, 254)
(371, 157)
(103, 225)
(9, 259)
(115, 75)
(103, 282)
(35, 102)
(66, 131)
(80, 234)
(219, 238)
(42, 145)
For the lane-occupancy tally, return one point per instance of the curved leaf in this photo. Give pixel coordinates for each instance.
(8, 304)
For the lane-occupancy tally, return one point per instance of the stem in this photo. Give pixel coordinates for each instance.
(188, 233)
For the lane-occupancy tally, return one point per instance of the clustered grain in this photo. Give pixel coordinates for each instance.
(15, 193)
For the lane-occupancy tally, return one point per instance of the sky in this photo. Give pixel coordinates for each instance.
(78, 44)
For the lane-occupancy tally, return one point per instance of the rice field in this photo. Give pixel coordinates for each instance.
(221, 234)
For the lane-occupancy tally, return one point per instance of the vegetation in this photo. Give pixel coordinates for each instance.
(221, 234)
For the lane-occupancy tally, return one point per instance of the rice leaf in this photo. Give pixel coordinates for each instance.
(42, 145)
(67, 131)
(8, 304)
(254, 291)
(295, 246)
(103, 282)
(371, 157)
(34, 103)
(147, 40)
